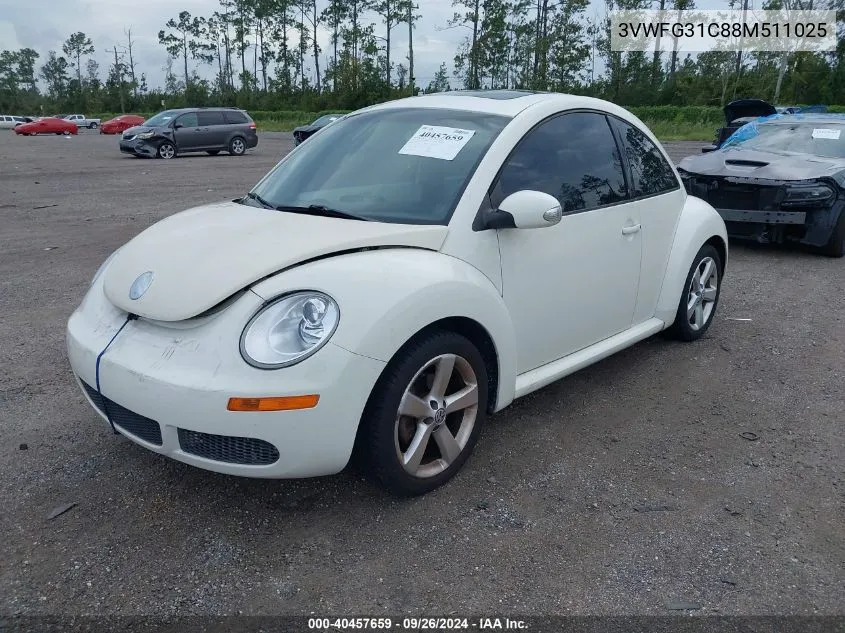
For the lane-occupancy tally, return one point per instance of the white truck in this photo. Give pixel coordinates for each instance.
(82, 121)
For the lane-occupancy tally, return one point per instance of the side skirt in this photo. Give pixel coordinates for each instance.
(549, 373)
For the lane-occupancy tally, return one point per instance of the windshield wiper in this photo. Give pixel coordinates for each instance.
(260, 200)
(319, 209)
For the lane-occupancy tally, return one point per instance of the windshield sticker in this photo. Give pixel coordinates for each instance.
(823, 132)
(434, 141)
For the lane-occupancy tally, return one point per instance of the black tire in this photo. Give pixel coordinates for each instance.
(835, 247)
(166, 150)
(213, 152)
(237, 146)
(682, 329)
(93, 126)
(378, 436)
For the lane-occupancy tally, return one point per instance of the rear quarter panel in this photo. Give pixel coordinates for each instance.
(699, 222)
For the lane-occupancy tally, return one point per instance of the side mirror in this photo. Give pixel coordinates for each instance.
(176, 126)
(708, 148)
(531, 209)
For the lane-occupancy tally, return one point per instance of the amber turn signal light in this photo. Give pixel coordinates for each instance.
(283, 403)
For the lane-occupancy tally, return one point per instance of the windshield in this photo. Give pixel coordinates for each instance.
(162, 118)
(406, 165)
(325, 120)
(820, 138)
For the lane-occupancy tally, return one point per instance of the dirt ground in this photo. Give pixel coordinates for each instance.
(620, 490)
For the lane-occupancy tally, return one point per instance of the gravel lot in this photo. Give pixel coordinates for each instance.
(615, 491)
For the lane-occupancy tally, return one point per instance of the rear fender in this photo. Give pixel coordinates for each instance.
(699, 223)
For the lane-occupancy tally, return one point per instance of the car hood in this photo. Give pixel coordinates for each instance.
(748, 108)
(204, 255)
(747, 163)
(137, 129)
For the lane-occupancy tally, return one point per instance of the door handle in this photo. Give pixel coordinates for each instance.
(630, 230)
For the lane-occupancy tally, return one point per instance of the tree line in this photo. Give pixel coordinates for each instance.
(265, 55)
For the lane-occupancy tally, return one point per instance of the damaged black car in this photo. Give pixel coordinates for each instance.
(776, 180)
(306, 131)
(737, 114)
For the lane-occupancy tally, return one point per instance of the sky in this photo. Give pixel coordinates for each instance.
(45, 24)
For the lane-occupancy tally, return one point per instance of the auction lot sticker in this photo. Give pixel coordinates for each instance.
(434, 141)
(823, 132)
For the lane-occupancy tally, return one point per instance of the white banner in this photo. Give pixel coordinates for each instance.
(690, 31)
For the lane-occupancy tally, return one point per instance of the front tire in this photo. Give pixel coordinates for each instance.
(166, 150)
(835, 247)
(425, 414)
(700, 297)
(237, 146)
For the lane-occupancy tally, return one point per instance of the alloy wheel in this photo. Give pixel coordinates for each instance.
(436, 415)
(238, 146)
(702, 293)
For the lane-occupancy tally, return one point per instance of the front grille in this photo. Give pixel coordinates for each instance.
(228, 449)
(133, 423)
(733, 197)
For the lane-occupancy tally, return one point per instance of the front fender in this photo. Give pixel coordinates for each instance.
(699, 223)
(388, 295)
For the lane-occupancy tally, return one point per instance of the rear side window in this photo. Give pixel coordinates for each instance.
(233, 116)
(650, 172)
(572, 157)
(211, 117)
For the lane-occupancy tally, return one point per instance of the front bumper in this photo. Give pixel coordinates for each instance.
(166, 387)
(137, 147)
(763, 217)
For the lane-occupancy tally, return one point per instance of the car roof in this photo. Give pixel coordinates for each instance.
(810, 117)
(507, 103)
(203, 108)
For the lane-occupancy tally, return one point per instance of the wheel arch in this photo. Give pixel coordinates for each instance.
(417, 292)
(699, 224)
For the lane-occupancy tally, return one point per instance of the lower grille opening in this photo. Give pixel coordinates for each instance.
(133, 423)
(228, 449)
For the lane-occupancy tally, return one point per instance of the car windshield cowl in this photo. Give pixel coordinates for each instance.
(310, 209)
(395, 165)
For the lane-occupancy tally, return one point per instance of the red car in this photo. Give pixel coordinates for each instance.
(47, 125)
(119, 124)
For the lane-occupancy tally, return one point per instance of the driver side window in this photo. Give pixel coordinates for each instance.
(188, 120)
(573, 157)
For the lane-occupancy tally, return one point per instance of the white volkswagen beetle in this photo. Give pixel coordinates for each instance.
(411, 269)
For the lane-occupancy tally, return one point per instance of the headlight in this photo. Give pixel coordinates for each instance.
(103, 267)
(146, 135)
(809, 195)
(289, 330)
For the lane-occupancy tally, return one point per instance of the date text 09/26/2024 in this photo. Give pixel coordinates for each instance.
(415, 624)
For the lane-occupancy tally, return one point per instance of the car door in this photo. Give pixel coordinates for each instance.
(657, 193)
(213, 129)
(572, 284)
(186, 133)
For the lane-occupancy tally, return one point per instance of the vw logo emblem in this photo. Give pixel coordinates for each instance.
(439, 416)
(141, 285)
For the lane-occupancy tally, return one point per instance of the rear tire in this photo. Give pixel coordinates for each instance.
(409, 440)
(237, 146)
(93, 126)
(700, 297)
(166, 150)
(836, 245)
